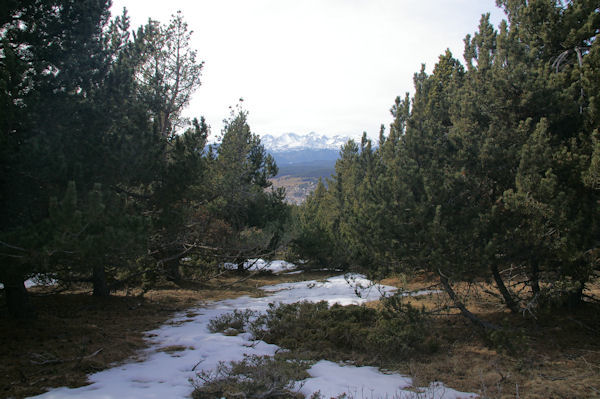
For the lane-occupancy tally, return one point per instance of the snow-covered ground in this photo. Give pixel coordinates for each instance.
(164, 373)
(273, 266)
(35, 281)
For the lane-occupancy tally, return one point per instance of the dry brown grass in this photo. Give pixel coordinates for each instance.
(541, 368)
(556, 355)
(75, 334)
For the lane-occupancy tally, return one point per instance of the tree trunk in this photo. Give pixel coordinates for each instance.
(172, 272)
(17, 299)
(508, 299)
(168, 261)
(463, 309)
(240, 264)
(575, 297)
(99, 280)
(535, 278)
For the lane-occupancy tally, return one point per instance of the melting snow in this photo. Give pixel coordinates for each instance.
(163, 373)
(332, 379)
(273, 266)
(36, 280)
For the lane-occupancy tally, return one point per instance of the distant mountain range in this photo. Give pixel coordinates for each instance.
(294, 142)
(302, 160)
(306, 156)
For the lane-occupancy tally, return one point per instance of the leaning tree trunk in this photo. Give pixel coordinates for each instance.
(508, 299)
(461, 306)
(99, 280)
(17, 299)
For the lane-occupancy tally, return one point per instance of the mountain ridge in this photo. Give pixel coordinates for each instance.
(311, 141)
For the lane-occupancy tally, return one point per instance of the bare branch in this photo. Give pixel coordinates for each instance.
(12, 246)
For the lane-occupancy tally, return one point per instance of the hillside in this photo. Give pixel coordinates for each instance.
(303, 160)
(296, 188)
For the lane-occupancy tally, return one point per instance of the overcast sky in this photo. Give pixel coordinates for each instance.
(328, 66)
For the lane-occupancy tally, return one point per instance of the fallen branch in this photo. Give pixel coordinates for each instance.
(13, 246)
(197, 364)
(45, 359)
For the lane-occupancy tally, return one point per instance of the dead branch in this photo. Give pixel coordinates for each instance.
(12, 256)
(12, 246)
(242, 279)
(492, 293)
(196, 365)
(44, 359)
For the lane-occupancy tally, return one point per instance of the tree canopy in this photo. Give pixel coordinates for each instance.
(489, 171)
(103, 181)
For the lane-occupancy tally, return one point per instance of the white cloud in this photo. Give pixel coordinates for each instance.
(330, 66)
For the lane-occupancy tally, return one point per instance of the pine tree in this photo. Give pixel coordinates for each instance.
(313, 242)
(167, 73)
(487, 168)
(240, 178)
(52, 58)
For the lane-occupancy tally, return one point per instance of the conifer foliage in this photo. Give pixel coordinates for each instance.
(490, 171)
(103, 180)
(241, 196)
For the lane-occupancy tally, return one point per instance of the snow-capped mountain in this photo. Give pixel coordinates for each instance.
(308, 156)
(293, 142)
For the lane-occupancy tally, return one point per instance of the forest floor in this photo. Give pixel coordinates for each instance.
(76, 334)
(556, 355)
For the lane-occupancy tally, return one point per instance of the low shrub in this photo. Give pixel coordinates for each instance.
(508, 340)
(345, 331)
(232, 323)
(254, 377)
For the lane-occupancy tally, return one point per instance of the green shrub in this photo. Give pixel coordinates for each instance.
(316, 330)
(254, 377)
(506, 340)
(343, 331)
(232, 323)
(564, 293)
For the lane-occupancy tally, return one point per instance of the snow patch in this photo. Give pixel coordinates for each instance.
(273, 266)
(349, 289)
(164, 373)
(332, 380)
(34, 281)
